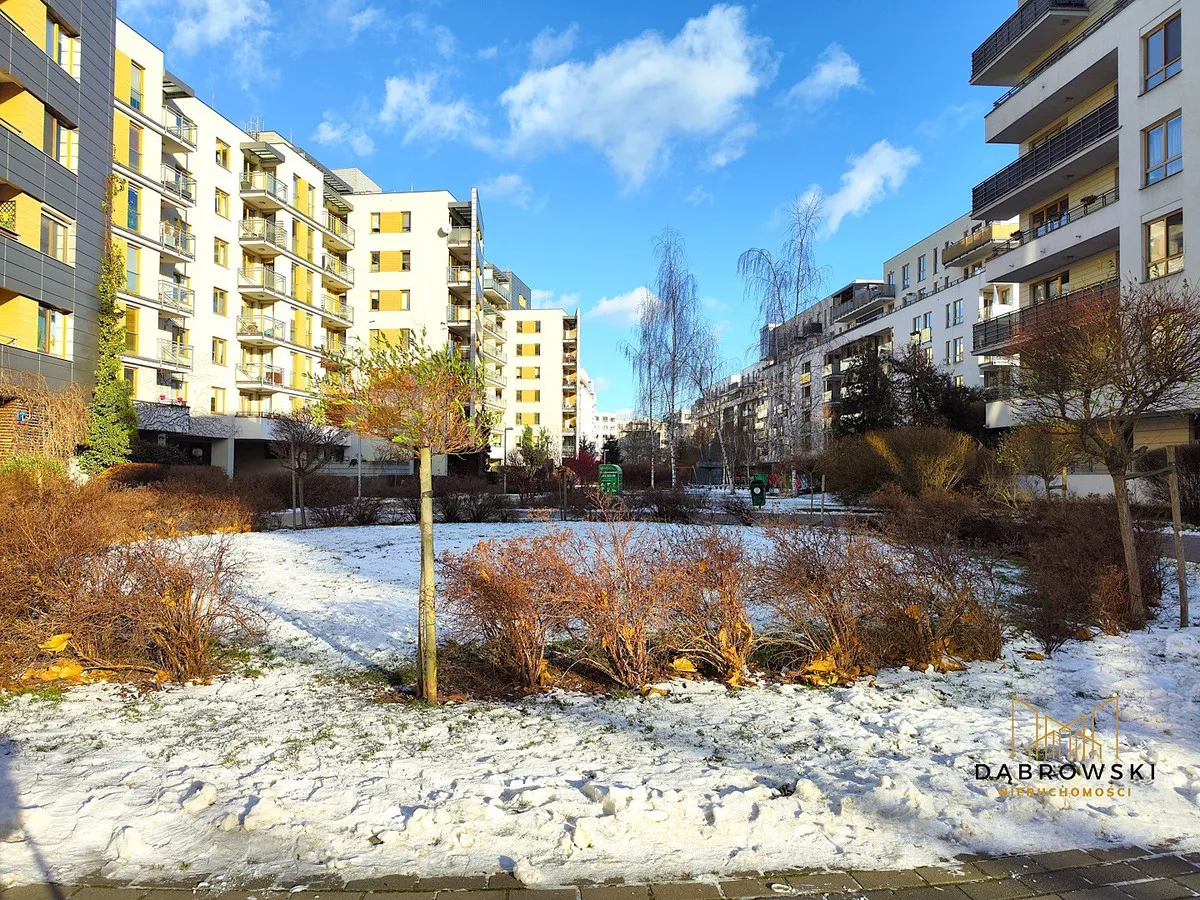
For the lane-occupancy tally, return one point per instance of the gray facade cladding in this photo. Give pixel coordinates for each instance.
(85, 104)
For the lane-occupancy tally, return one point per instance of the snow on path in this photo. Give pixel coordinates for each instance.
(298, 772)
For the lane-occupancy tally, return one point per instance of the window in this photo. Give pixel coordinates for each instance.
(221, 204)
(1051, 217)
(529, 349)
(405, 261)
(60, 143)
(222, 155)
(959, 350)
(922, 271)
(529, 372)
(1164, 148)
(947, 353)
(375, 223)
(62, 47)
(137, 78)
(219, 351)
(1163, 51)
(529, 396)
(905, 281)
(51, 331)
(947, 315)
(935, 262)
(56, 238)
(220, 301)
(133, 208)
(216, 403)
(958, 313)
(135, 147)
(221, 252)
(916, 324)
(1164, 246)
(133, 265)
(131, 331)
(1052, 287)
(530, 326)
(958, 381)
(390, 301)
(375, 300)
(529, 419)
(927, 320)
(891, 278)
(406, 221)
(374, 260)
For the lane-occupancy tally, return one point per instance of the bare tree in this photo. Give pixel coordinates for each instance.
(705, 371)
(643, 358)
(1097, 362)
(1041, 450)
(782, 286)
(425, 402)
(304, 446)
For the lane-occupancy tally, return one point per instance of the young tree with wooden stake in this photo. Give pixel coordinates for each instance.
(1097, 363)
(425, 402)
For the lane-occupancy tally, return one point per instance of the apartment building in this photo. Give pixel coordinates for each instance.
(56, 74)
(586, 411)
(545, 385)
(1100, 106)
(608, 426)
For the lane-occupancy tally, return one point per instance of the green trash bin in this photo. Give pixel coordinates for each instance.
(612, 480)
(758, 490)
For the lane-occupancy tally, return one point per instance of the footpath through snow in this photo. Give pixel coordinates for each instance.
(297, 772)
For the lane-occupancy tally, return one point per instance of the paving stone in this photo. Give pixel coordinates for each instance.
(1164, 866)
(1104, 892)
(615, 892)
(1188, 881)
(1055, 882)
(173, 893)
(1118, 854)
(887, 879)
(995, 890)
(504, 881)
(1158, 889)
(251, 894)
(473, 895)
(325, 895)
(453, 883)
(1064, 859)
(38, 892)
(1111, 874)
(1193, 857)
(1009, 865)
(384, 883)
(740, 888)
(823, 883)
(548, 894)
(937, 875)
(401, 895)
(109, 893)
(685, 890)
(876, 895)
(943, 892)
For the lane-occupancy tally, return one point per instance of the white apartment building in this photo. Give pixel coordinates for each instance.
(609, 426)
(1100, 106)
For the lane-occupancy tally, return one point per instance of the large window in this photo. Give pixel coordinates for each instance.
(1051, 217)
(137, 79)
(905, 280)
(220, 351)
(62, 47)
(376, 219)
(1052, 287)
(405, 261)
(51, 331)
(220, 301)
(135, 147)
(133, 263)
(133, 208)
(222, 155)
(221, 252)
(958, 312)
(1164, 245)
(60, 143)
(922, 270)
(1164, 52)
(221, 204)
(406, 221)
(56, 238)
(375, 258)
(1164, 148)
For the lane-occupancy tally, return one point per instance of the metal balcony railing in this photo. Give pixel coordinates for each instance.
(458, 274)
(181, 241)
(337, 307)
(264, 182)
(1028, 15)
(178, 355)
(262, 327)
(971, 242)
(259, 373)
(261, 277)
(501, 287)
(1074, 214)
(338, 227)
(8, 215)
(336, 267)
(178, 182)
(456, 313)
(264, 231)
(1073, 139)
(180, 127)
(1000, 331)
(176, 296)
(864, 297)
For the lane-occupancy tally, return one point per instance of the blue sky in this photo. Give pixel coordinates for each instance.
(590, 127)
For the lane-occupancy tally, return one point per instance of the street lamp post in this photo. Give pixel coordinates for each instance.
(504, 463)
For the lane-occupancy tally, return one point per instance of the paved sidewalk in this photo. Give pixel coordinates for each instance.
(1123, 874)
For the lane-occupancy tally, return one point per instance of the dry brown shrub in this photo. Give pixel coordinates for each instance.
(509, 596)
(710, 587)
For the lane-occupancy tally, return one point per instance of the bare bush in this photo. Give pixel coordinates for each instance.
(739, 508)
(668, 505)
(358, 511)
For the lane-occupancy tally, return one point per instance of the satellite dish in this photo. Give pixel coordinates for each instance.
(443, 232)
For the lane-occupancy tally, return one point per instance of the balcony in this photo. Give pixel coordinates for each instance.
(176, 298)
(8, 216)
(262, 236)
(459, 277)
(571, 336)
(497, 286)
(261, 283)
(259, 378)
(492, 326)
(178, 184)
(181, 132)
(993, 336)
(1028, 33)
(261, 331)
(458, 316)
(570, 360)
(865, 300)
(337, 234)
(975, 247)
(1075, 152)
(177, 242)
(336, 312)
(460, 235)
(1082, 231)
(336, 273)
(174, 356)
(263, 191)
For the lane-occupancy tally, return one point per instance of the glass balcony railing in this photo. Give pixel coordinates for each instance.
(259, 374)
(339, 269)
(180, 127)
(178, 182)
(337, 307)
(262, 328)
(179, 241)
(264, 183)
(175, 354)
(263, 231)
(176, 296)
(262, 278)
(338, 227)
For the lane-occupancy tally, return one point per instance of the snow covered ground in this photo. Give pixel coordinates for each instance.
(296, 771)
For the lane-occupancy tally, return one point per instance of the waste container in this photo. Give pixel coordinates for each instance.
(612, 479)
(758, 490)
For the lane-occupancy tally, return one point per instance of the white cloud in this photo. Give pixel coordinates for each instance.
(489, 52)
(544, 299)
(242, 28)
(364, 19)
(954, 118)
(540, 298)
(625, 308)
(632, 102)
(600, 383)
(410, 102)
(870, 178)
(697, 196)
(834, 72)
(334, 130)
(549, 46)
(508, 186)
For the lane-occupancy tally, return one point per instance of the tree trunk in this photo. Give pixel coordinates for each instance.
(1137, 605)
(427, 630)
(1177, 530)
(303, 510)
